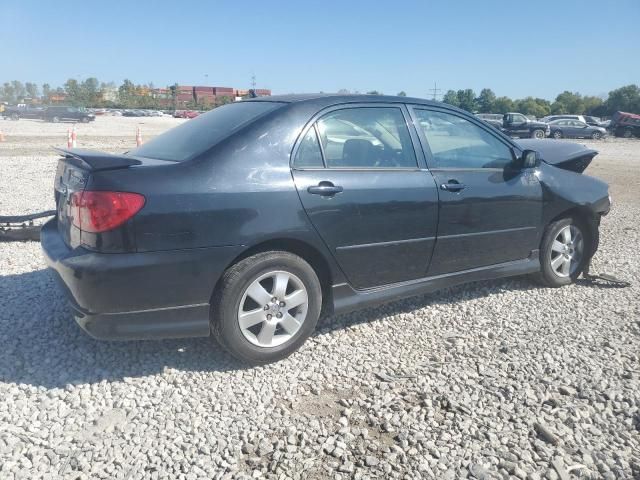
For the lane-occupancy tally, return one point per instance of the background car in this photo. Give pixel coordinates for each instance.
(565, 128)
(57, 114)
(551, 118)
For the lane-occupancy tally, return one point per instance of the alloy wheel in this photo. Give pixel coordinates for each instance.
(273, 308)
(566, 251)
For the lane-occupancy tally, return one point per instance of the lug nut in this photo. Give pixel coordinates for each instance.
(266, 307)
(282, 304)
(269, 317)
(274, 299)
(278, 315)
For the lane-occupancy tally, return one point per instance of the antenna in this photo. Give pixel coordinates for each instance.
(435, 91)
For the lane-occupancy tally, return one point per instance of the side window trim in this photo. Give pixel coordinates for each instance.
(317, 133)
(428, 155)
(414, 135)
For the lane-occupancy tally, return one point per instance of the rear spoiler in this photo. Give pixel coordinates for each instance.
(94, 160)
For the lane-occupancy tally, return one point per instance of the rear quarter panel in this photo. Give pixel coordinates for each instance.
(240, 193)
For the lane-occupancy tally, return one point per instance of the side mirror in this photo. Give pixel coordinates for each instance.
(529, 159)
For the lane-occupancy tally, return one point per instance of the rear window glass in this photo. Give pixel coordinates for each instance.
(203, 132)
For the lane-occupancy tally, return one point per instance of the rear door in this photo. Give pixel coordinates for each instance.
(490, 212)
(367, 192)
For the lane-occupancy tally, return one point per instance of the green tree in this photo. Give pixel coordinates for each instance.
(89, 92)
(8, 93)
(625, 99)
(402, 93)
(46, 91)
(537, 107)
(126, 93)
(374, 92)
(467, 100)
(451, 98)
(72, 90)
(19, 90)
(32, 90)
(486, 101)
(503, 105)
(568, 102)
(592, 105)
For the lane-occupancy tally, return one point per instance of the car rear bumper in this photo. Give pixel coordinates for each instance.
(127, 296)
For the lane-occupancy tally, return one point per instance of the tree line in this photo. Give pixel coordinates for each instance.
(91, 93)
(625, 98)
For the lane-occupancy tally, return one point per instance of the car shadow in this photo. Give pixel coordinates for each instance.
(41, 345)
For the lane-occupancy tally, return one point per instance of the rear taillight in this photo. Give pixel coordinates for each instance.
(98, 211)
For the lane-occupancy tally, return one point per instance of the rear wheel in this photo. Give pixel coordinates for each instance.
(627, 133)
(596, 135)
(84, 120)
(15, 116)
(563, 252)
(557, 134)
(55, 119)
(266, 307)
(537, 134)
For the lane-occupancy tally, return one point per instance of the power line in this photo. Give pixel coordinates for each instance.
(435, 91)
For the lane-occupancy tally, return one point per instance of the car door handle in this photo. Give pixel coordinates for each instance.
(326, 189)
(452, 186)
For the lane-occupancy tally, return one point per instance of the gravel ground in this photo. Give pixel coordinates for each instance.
(491, 380)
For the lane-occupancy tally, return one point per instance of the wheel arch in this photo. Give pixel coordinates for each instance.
(304, 250)
(589, 218)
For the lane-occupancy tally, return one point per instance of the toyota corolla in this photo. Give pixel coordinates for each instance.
(249, 221)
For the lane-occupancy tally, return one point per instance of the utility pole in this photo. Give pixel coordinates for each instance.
(253, 81)
(435, 91)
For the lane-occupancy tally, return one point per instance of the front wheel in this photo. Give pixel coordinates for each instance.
(55, 119)
(84, 120)
(627, 133)
(557, 134)
(539, 134)
(564, 252)
(266, 306)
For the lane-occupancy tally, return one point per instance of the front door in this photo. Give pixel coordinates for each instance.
(363, 188)
(490, 212)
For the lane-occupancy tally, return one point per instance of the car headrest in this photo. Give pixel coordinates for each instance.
(357, 152)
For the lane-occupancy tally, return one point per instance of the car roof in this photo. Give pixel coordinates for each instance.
(336, 98)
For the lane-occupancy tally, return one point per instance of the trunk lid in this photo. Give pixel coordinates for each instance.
(72, 174)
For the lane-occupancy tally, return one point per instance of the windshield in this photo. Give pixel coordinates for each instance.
(203, 132)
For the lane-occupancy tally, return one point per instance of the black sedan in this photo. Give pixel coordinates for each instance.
(565, 128)
(249, 221)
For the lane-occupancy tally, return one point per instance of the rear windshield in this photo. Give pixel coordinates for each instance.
(203, 132)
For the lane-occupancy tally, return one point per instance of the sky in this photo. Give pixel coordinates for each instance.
(530, 47)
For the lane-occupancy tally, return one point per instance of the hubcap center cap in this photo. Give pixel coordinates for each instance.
(274, 307)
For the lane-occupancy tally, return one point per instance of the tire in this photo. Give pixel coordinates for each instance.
(555, 270)
(596, 135)
(264, 337)
(84, 120)
(15, 117)
(537, 133)
(557, 135)
(627, 133)
(55, 119)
